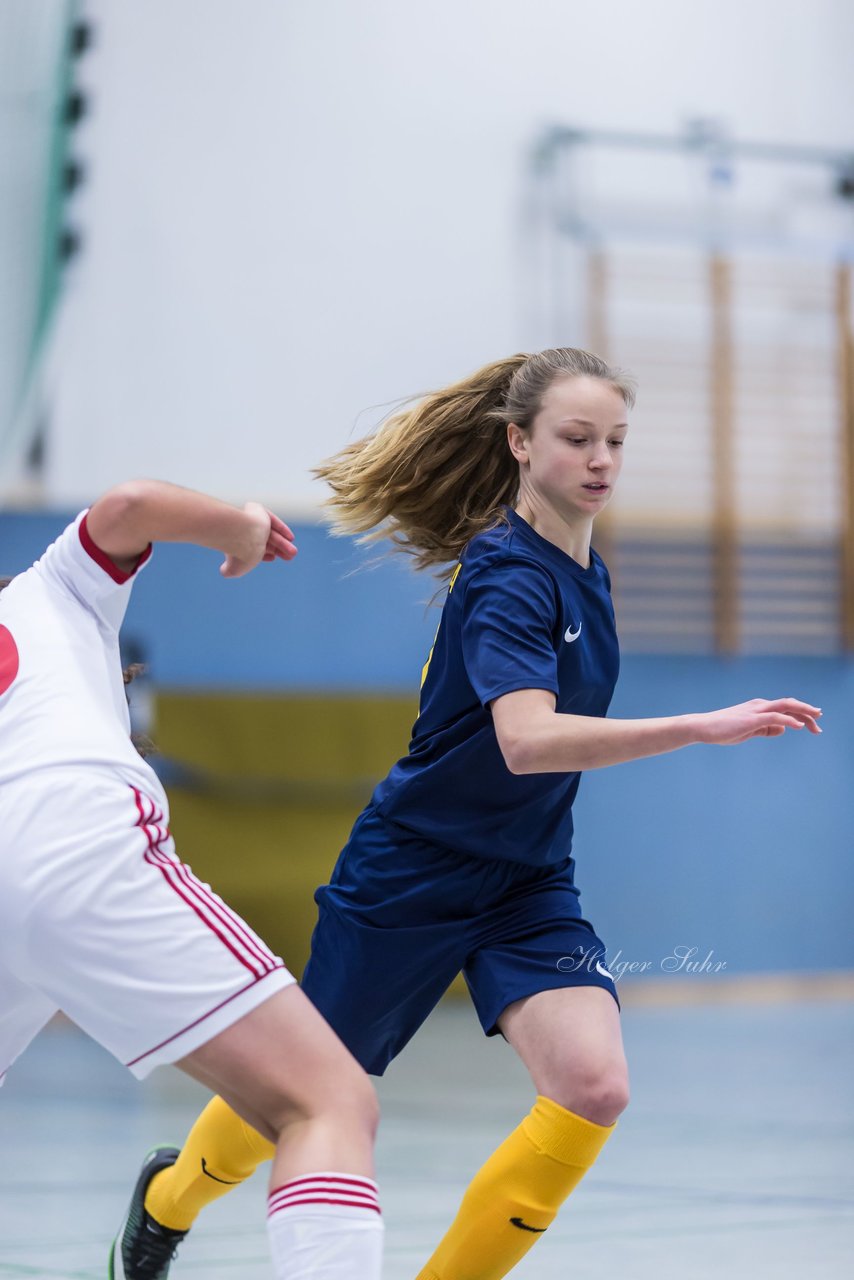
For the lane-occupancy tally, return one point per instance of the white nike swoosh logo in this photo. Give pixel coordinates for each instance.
(600, 968)
(569, 635)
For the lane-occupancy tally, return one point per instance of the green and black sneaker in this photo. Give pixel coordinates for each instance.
(143, 1250)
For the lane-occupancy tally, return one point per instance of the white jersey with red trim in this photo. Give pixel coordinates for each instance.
(62, 696)
(98, 915)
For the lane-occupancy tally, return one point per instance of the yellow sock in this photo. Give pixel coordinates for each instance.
(221, 1150)
(517, 1193)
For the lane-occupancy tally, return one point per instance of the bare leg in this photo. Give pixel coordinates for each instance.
(572, 1044)
(284, 1070)
(570, 1041)
(287, 1074)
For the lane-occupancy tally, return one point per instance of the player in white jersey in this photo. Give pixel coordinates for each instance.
(99, 917)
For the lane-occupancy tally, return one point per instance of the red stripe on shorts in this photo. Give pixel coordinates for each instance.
(209, 1014)
(201, 901)
(230, 922)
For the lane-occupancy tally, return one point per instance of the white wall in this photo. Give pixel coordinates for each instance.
(32, 35)
(304, 208)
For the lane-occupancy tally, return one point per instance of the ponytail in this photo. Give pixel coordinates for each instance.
(436, 474)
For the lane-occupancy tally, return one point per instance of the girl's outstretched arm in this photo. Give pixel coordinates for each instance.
(534, 738)
(130, 516)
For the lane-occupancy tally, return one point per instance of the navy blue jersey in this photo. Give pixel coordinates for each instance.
(520, 614)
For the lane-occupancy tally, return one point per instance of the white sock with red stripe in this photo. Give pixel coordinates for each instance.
(326, 1226)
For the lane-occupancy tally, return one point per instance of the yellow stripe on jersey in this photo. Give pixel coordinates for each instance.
(426, 666)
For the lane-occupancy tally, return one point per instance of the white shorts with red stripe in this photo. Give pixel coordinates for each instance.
(99, 918)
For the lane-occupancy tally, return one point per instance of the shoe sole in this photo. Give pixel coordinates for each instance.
(114, 1250)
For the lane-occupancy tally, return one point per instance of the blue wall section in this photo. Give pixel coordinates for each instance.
(744, 852)
(335, 618)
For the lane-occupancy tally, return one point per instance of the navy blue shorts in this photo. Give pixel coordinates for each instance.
(401, 918)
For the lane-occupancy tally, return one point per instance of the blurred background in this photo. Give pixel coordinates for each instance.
(232, 237)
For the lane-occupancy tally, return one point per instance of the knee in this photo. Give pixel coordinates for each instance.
(365, 1104)
(348, 1102)
(600, 1097)
(356, 1105)
(607, 1101)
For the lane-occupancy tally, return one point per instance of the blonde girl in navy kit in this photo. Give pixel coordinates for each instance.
(462, 859)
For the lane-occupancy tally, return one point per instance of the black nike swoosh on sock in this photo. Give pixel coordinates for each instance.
(225, 1181)
(523, 1226)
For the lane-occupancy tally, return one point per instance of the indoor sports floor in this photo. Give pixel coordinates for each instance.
(735, 1159)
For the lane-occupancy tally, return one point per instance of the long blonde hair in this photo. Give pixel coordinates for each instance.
(440, 471)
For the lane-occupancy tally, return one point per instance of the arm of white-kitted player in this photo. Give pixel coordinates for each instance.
(130, 516)
(535, 738)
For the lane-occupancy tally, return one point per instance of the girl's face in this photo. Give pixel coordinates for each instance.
(572, 453)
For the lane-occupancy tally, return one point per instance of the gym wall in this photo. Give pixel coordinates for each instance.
(282, 698)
